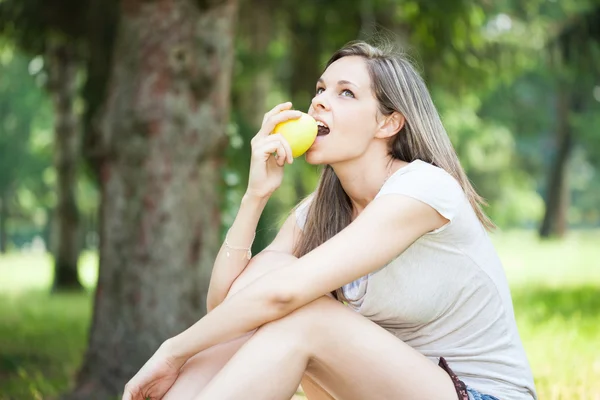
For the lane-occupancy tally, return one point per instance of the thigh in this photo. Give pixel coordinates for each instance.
(264, 263)
(353, 358)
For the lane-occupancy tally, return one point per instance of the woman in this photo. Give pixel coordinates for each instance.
(382, 285)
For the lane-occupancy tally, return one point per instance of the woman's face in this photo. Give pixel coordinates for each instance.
(345, 103)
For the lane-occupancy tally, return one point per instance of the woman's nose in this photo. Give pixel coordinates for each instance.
(319, 102)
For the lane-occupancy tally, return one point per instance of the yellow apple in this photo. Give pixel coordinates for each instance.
(300, 133)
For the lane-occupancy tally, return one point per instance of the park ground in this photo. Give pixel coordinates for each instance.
(555, 287)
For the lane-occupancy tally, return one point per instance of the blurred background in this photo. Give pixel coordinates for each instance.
(124, 153)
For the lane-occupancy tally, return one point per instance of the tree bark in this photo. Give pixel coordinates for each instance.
(557, 199)
(162, 135)
(62, 85)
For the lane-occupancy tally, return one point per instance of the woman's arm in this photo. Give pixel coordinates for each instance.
(385, 228)
(226, 270)
(230, 263)
(266, 174)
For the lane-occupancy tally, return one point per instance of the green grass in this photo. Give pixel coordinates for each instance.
(555, 286)
(556, 293)
(42, 336)
(42, 340)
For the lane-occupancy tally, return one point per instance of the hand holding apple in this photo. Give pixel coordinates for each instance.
(266, 170)
(300, 133)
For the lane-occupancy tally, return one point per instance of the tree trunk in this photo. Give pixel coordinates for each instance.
(557, 198)
(62, 85)
(163, 131)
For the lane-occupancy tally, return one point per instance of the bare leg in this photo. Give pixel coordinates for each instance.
(349, 356)
(200, 369)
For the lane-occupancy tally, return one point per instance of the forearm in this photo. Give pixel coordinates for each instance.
(248, 309)
(230, 263)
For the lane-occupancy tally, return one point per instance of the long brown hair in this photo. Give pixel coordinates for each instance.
(397, 87)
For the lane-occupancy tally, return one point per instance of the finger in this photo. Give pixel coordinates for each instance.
(279, 118)
(277, 109)
(273, 120)
(281, 155)
(270, 139)
(286, 145)
(271, 147)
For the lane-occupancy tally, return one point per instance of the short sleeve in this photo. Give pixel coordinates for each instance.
(428, 184)
(302, 211)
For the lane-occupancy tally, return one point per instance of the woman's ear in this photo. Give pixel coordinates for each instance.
(392, 124)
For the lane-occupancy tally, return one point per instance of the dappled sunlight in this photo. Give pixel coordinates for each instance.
(22, 272)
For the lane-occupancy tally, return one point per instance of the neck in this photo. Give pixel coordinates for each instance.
(362, 178)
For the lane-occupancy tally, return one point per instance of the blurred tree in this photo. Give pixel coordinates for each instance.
(56, 31)
(160, 140)
(62, 86)
(576, 43)
(20, 105)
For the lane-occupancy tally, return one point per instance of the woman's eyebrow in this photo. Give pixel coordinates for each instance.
(340, 82)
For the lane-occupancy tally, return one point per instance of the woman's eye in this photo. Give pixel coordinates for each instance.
(319, 90)
(347, 93)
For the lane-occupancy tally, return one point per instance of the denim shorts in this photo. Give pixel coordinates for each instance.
(463, 391)
(475, 395)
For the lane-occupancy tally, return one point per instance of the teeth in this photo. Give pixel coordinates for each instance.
(322, 124)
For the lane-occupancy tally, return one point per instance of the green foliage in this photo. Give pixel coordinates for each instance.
(30, 23)
(25, 142)
(486, 65)
(20, 103)
(488, 153)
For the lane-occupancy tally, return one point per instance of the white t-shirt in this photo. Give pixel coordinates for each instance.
(447, 294)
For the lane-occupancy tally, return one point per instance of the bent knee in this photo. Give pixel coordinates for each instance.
(307, 329)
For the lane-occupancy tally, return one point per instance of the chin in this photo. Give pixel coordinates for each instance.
(316, 157)
(319, 157)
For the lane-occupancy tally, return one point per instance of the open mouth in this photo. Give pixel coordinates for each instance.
(322, 129)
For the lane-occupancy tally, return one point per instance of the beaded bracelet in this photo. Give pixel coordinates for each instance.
(246, 249)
